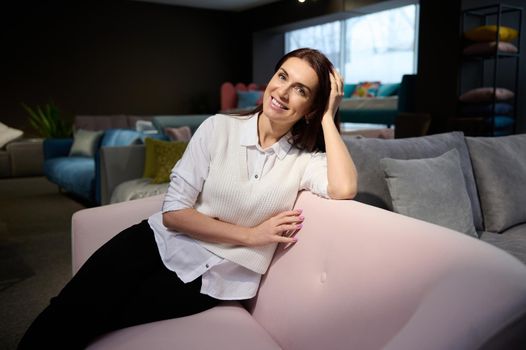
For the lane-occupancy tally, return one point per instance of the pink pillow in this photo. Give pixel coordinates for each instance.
(489, 48)
(179, 134)
(485, 94)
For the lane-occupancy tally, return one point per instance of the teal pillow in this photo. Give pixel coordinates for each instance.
(247, 99)
(85, 143)
(348, 89)
(388, 89)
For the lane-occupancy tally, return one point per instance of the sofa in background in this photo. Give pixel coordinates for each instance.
(123, 168)
(73, 164)
(19, 156)
(358, 278)
(377, 103)
(240, 98)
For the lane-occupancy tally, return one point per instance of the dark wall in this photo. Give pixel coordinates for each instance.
(438, 52)
(117, 57)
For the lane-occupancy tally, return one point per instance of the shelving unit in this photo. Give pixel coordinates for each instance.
(494, 69)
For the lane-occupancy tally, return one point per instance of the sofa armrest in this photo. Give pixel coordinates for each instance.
(117, 165)
(54, 148)
(92, 227)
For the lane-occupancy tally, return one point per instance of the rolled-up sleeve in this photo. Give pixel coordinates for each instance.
(190, 172)
(315, 177)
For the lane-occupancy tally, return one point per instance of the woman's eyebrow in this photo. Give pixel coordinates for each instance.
(300, 84)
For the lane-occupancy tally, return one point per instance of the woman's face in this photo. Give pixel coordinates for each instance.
(290, 93)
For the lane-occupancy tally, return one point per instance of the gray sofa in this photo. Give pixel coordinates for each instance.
(489, 196)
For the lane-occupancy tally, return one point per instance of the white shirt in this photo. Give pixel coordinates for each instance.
(221, 279)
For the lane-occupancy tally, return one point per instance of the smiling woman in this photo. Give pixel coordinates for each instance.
(222, 217)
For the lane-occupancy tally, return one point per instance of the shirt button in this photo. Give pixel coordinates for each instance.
(256, 176)
(207, 266)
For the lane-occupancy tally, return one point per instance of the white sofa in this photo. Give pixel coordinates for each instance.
(359, 277)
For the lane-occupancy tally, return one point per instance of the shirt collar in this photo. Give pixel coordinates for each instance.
(249, 137)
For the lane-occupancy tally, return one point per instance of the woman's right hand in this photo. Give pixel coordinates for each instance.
(277, 229)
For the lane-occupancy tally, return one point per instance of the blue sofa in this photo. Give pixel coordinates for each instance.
(80, 175)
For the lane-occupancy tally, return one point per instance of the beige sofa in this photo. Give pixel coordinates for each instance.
(359, 277)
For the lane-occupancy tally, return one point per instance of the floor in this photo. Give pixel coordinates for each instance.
(35, 251)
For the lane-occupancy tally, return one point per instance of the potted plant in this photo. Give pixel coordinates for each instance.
(48, 122)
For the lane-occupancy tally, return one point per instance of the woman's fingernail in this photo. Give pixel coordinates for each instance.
(295, 239)
(299, 226)
(301, 218)
(299, 210)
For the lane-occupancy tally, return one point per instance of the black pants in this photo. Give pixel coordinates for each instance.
(122, 284)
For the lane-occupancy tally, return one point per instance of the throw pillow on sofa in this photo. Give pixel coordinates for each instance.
(85, 143)
(432, 190)
(372, 187)
(366, 89)
(247, 99)
(160, 158)
(182, 133)
(499, 164)
(8, 134)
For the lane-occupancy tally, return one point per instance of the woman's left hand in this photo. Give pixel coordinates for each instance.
(336, 95)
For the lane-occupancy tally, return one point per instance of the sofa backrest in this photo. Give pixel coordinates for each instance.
(372, 186)
(103, 122)
(176, 121)
(363, 278)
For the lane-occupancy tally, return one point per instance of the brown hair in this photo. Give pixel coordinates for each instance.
(307, 133)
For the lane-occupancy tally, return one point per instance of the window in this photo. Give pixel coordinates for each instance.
(324, 37)
(380, 46)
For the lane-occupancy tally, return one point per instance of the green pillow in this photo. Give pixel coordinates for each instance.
(160, 158)
(85, 143)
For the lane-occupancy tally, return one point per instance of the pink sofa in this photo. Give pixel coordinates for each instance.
(358, 278)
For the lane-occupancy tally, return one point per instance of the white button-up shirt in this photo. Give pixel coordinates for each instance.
(221, 279)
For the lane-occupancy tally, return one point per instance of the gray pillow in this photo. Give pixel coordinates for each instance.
(499, 164)
(432, 190)
(372, 188)
(85, 143)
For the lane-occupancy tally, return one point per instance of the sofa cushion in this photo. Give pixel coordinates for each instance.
(120, 137)
(8, 134)
(366, 89)
(73, 174)
(160, 158)
(85, 143)
(372, 187)
(182, 133)
(227, 326)
(137, 188)
(247, 99)
(499, 165)
(389, 89)
(431, 189)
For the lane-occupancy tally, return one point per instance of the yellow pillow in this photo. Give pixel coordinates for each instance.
(489, 32)
(160, 158)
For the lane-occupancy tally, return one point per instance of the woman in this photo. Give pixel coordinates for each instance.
(228, 205)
